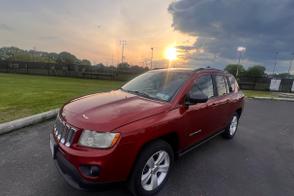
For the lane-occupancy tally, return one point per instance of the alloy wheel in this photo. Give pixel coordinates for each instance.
(233, 125)
(155, 170)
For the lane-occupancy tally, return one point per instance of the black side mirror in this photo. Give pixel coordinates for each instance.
(192, 99)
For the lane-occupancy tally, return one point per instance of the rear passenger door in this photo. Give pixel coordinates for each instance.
(221, 101)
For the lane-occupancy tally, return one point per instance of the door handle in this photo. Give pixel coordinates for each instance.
(213, 105)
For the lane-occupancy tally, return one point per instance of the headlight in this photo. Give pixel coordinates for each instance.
(98, 140)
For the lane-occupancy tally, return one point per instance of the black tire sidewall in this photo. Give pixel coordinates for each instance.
(135, 180)
(227, 130)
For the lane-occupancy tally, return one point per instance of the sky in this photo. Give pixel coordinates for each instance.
(205, 32)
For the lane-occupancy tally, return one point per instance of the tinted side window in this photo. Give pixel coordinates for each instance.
(233, 82)
(203, 85)
(221, 85)
(227, 84)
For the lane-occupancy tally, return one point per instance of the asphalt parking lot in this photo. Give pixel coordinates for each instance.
(258, 161)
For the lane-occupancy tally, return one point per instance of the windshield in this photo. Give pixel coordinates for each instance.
(161, 85)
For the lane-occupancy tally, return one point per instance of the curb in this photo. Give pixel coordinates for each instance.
(287, 95)
(272, 98)
(27, 121)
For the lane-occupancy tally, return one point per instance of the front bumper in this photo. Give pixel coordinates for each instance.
(68, 171)
(113, 165)
(72, 176)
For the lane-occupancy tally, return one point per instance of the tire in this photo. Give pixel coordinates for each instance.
(149, 170)
(231, 129)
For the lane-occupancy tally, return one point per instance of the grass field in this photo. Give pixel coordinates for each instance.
(251, 93)
(24, 95)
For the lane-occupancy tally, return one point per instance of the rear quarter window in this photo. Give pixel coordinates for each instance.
(221, 85)
(233, 83)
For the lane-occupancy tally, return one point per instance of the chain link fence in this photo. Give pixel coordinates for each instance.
(264, 84)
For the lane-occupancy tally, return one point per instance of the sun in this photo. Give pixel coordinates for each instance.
(171, 53)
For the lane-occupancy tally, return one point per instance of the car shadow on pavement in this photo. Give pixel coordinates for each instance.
(105, 190)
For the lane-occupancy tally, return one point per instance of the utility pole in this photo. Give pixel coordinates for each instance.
(151, 61)
(276, 62)
(112, 60)
(291, 63)
(123, 43)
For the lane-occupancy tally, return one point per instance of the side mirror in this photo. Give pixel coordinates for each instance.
(192, 99)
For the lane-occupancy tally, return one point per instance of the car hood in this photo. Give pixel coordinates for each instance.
(110, 110)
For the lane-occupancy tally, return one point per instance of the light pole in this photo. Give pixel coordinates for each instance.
(151, 60)
(291, 63)
(240, 50)
(276, 62)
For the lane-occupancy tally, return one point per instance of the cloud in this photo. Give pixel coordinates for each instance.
(184, 47)
(5, 27)
(50, 38)
(221, 26)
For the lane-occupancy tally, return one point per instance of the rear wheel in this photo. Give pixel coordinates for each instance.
(152, 169)
(231, 129)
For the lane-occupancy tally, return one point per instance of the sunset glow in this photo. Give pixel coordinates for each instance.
(171, 53)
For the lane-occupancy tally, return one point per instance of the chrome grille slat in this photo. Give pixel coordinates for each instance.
(64, 132)
(69, 136)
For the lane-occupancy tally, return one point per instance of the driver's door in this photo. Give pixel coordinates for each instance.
(196, 120)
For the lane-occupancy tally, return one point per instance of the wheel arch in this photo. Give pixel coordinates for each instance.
(171, 138)
(239, 112)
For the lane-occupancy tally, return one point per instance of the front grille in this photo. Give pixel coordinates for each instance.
(64, 132)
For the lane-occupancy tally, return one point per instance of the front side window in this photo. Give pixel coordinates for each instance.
(204, 86)
(221, 85)
(161, 85)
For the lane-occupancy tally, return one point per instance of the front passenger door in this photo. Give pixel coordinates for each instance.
(196, 120)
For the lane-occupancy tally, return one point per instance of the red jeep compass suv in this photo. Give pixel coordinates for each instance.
(133, 134)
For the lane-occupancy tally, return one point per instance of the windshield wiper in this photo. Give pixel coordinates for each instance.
(140, 93)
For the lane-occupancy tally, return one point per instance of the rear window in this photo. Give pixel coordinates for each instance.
(221, 85)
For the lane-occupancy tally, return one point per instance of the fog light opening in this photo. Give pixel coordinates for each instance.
(90, 170)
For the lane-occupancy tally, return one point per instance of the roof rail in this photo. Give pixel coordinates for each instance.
(207, 68)
(156, 68)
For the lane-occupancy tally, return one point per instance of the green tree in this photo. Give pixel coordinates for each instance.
(65, 58)
(285, 75)
(52, 57)
(85, 62)
(123, 66)
(232, 69)
(255, 71)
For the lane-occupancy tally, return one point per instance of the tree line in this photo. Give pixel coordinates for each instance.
(63, 58)
(17, 54)
(66, 58)
(254, 71)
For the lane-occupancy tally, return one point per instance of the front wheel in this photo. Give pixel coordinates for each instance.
(231, 129)
(152, 169)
